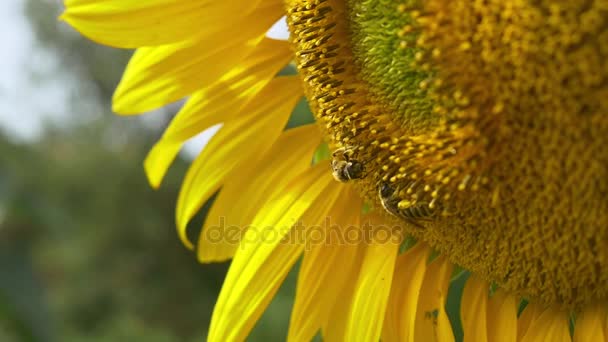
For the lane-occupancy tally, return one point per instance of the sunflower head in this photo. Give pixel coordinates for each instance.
(482, 127)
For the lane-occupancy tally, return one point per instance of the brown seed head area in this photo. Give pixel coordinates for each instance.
(491, 115)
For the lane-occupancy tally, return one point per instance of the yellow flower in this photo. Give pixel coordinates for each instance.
(479, 128)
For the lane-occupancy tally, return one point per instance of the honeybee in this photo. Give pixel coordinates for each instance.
(344, 167)
(412, 214)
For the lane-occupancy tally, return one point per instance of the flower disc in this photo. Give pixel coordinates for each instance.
(486, 122)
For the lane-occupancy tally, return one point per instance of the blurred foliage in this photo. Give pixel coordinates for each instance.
(101, 240)
(84, 225)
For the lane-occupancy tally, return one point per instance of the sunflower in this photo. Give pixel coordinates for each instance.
(466, 135)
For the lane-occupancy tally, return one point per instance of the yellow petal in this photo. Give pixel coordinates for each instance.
(158, 160)
(374, 284)
(136, 23)
(335, 326)
(606, 328)
(432, 323)
(241, 139)
(592, 324)
(265, 257)
(551, 325)
(473, 309)
(531, 313)
(217, 103)
(250, 187)
(502, 317)
(403, 302)
(325, 269)
(160, 75)
(224, 99)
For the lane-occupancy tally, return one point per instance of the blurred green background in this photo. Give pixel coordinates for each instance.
(88, 252)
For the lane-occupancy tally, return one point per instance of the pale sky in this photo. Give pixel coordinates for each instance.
(26, 103)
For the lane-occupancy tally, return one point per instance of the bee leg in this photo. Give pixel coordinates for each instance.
(347, 153)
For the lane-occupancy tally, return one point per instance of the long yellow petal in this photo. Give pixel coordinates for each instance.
(403, 302)
(265, 257)
(432, 323)
(136, 23)
(592, 324)
(502, 317)
(160, 75)
(159, 159)
(250, 187)
(606, 328)
(217, 103)
(473, 309)
(225, 99)
(240, 140)
(334, 328)
(551, 325)
(530, 314)
(374, 284)
(325, 269)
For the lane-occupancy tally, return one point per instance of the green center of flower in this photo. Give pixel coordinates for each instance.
(383, 41)
(482, 128)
